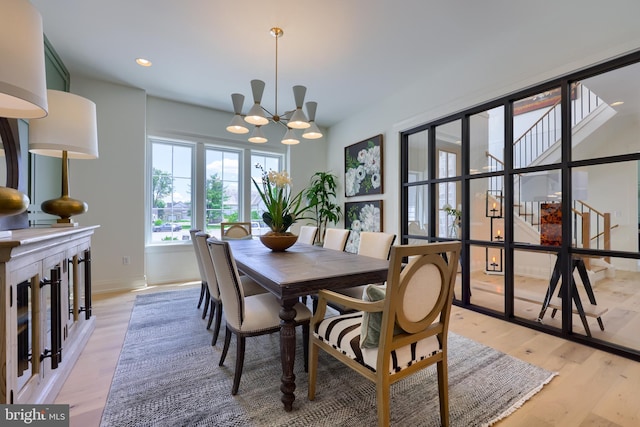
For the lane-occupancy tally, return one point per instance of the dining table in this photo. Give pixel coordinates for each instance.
(299, 271)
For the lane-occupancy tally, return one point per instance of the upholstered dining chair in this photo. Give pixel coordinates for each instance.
(235, 230)
(398, 330)
(213, 292)
(335, 238)
(204, 291)
(372, 244)
(307, 234)
(248, 316)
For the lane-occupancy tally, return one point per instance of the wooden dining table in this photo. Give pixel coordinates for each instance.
(299, 271)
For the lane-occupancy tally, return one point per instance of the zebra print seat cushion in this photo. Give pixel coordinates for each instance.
(343, 334)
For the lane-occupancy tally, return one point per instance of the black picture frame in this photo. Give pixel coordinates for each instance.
(361, 216)
(363, 168)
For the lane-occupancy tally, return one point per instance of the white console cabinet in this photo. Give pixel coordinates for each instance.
(46, 317)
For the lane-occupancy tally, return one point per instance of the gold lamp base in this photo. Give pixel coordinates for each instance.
(12, 202)
(64, 207)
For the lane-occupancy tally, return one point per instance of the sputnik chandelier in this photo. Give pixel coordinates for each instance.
(260, 116)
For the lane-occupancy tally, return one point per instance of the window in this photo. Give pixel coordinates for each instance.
(222, 189)
(267, 162)
(171, 184)
(199, 185)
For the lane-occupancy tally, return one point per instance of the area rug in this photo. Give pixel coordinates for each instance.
(168, 375)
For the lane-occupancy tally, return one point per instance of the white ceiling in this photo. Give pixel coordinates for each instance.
(349, 53)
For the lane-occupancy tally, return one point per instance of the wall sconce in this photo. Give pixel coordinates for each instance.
(493, 204)
(69, 131)
(493, 263)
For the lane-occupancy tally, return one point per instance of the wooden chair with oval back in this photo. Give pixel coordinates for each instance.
(235, 230)
(398, 330)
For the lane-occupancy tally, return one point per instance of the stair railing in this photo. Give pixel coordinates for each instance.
(592, 228)
(547, 130)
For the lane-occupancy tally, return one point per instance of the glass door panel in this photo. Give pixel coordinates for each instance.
(487, 141)
(537, 129)
(25, 332)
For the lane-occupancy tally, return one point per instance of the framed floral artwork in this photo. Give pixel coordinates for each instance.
(361, 216)
(363, 167)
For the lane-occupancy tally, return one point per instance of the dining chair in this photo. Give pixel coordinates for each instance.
(245, 315)
(335, 238)
(399, 330)
(250, 286)
(372, 244)
(204, 290)
(307, 234)
(235, 230)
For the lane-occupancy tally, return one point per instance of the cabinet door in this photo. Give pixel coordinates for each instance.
(77, 295)
(52, 284)
(23, 368)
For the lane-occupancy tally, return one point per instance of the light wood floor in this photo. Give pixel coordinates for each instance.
(594, 388)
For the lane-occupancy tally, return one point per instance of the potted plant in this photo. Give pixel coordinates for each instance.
(282, 208)
(320, 197)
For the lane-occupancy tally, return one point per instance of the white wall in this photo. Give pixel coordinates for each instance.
(113, 185)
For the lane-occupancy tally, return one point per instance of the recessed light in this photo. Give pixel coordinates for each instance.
(615, 104)
(143, 62)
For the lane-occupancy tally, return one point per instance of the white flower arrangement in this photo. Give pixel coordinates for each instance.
(363, 171)
(363, 218)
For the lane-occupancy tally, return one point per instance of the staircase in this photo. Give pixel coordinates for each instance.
(541, 144)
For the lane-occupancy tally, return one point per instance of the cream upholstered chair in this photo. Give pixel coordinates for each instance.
(213, 293)
(204, 291)
(401, 329)
(235, 230)
(307, 234)
(375, 245)
(248, 316)
(335, 238)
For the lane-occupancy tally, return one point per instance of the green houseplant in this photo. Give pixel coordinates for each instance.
(282, 208)
(321, 195)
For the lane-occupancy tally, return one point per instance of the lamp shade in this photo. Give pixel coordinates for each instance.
(23, 92)
(70, 126)
(290, 138)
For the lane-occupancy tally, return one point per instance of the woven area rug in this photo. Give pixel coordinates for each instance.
(168, 375)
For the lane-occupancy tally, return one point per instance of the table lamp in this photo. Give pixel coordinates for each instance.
(22, 90)
(69, 131)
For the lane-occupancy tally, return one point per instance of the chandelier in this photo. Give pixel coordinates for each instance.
(260, 116)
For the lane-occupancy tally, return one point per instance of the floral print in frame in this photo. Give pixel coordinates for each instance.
(361, 216)
(363, 167)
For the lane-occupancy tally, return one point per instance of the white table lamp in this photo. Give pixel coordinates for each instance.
(69, 131)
